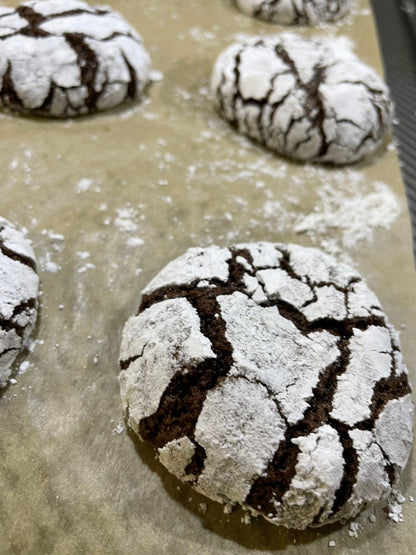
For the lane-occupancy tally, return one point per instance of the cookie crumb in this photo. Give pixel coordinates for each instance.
(394, 507)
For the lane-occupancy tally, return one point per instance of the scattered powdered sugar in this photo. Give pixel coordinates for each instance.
(119, 429)
(343, 211)
(200, 35)
(354, 212)
(83, 185)
(56, 244)
(134, 242)
(48, 265)
(83, 269)
(339, 209)
(125, 220)
(85, 255)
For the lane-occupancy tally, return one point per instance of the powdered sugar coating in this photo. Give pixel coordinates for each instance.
(294, 12)
(307, 99)
(64, 58)
(19, 285)
(186, 345)
(238, 445)
(292, 401)
(299, 358)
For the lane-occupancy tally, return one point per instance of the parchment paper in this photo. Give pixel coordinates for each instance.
(108, 201)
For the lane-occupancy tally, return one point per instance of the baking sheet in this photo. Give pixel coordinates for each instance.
(108, 201)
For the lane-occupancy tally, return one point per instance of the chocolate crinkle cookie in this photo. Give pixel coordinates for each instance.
(64, 58)
(294, 12)
(19, 284)
(267, 375)
(307, 99)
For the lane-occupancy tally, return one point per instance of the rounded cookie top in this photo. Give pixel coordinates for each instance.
(294, 12)
(19, 285)
(64, 58)
(267, 375)
(307, 99)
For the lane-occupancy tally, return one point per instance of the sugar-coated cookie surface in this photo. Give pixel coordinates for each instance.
(19, 285)
(307, 99)
(64, 58)
(267, 375)
(294, 12)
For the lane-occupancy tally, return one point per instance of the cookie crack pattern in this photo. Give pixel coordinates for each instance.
(313, 103)
(344, 328)
(8, 92)
(34, 20)
(111, 64)
(360, 340)
(12, 323)
(18, 257)
(124, 364)
(88, 63)
(351, 466)
(268, 490)
(385, 390)
(182, 401)
(5, 352)
(270, 393)
(389, 467)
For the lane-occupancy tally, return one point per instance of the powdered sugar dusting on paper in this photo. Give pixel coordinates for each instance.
(340, 213)
(355, 213)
